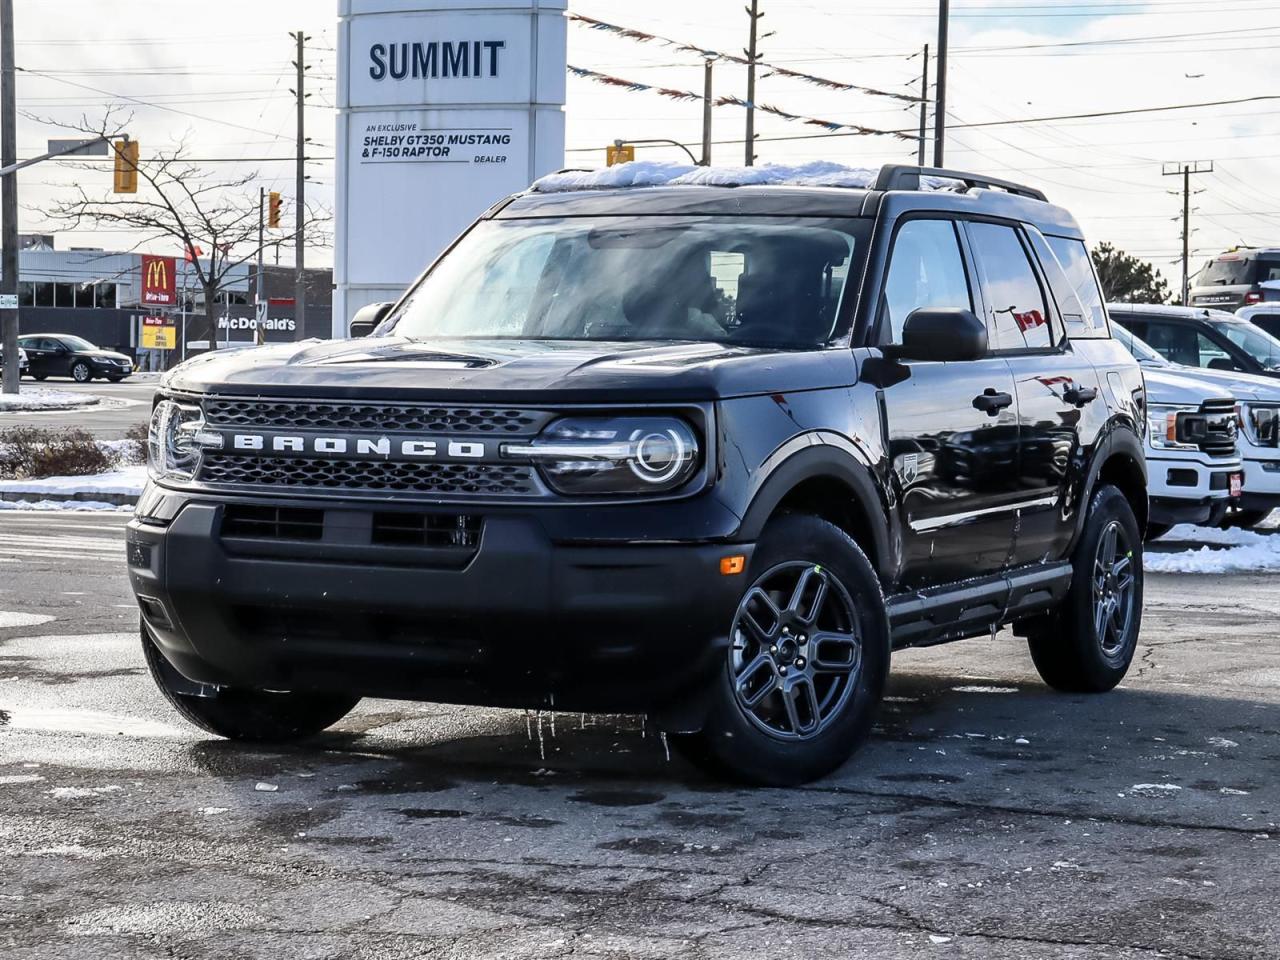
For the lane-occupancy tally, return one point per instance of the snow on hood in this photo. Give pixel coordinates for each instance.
(1164, 386)
(660, 173)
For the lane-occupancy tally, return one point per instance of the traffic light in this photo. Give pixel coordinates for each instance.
(126, 166)
(273, 209)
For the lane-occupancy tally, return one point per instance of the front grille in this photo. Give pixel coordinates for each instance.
(316, 473)
(1220, 428)
(375, 417)
(272, 523)
(426, 530)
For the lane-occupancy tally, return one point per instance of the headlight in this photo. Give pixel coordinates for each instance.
(1260, 424)
(612, 455)
(1175, 427)
(175, 441)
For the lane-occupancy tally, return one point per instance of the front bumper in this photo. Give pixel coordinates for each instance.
(1261, 482)
(1187, 487)
(526, 621)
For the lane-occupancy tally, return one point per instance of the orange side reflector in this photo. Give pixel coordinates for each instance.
(730, 566)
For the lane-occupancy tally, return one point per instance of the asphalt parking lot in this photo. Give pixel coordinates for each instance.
(988, 817)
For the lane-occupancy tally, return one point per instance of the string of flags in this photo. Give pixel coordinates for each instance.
(640, 36)
(635, 86)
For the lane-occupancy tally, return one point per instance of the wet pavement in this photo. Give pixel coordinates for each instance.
(988, 817)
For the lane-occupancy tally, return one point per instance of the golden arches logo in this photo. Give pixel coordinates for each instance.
(157, 275)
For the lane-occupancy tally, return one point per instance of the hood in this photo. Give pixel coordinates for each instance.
(493, 371)
(103, 354)
(1164, 386)
(1242, 386)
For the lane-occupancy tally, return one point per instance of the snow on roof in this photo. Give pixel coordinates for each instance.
(658, 173)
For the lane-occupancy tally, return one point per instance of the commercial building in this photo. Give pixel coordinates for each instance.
(98, 294)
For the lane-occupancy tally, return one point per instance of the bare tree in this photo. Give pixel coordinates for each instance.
(213, 220)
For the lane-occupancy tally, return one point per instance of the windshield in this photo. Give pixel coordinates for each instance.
(1141, 350)
(77, 343)
(771, 281)
(1257, 343)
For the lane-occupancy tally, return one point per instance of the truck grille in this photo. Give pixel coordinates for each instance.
(1220, 428)
(376, 417)
(471, 479)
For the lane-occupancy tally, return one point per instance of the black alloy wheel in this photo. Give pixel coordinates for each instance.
(796, 651)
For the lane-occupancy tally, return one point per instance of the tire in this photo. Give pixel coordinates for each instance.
(253, 715)
(1157, 530)
(1248, 519)
(115, 379)
(1070, 651)
(807, 579)
(80, 372)
(40, 376)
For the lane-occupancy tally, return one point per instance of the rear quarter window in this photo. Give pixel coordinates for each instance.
(1080, 302)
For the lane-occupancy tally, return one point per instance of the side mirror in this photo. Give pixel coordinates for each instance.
(367, 319)
(940, 334)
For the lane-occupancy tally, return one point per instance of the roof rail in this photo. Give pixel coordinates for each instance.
(899, 176)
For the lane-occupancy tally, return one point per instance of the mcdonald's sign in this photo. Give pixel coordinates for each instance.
(158, 281)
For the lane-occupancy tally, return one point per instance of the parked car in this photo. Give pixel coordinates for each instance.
(66, 355)
(1195, 337)
(1234, 278)
(23, 361)
(1257, 403)
(707, 453)
(1265, 316)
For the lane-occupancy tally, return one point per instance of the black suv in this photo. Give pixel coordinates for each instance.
(704, 452)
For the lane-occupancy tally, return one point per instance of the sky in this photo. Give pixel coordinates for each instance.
(219, 76)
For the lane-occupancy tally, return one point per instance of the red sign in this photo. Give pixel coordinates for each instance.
(158, 278)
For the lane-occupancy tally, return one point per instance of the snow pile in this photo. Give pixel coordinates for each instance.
(1237, 551)
(658, 173)
(40, 398)
(84, 505)
(127, 481)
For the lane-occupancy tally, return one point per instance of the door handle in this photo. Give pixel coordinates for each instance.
(991, 402)
(1079, 396)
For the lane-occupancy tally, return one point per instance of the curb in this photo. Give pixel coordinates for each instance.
(84, 496)
(69, 408)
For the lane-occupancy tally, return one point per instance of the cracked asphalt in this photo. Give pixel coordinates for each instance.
(988, 817)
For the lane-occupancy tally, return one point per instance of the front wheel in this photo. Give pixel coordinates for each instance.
(807, 660)
(1088, 644)
(80, 372)
(256, 715)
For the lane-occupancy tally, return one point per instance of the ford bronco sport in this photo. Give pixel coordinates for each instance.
(705, 452)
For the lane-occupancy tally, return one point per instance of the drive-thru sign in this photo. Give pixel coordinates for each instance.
(444, 106)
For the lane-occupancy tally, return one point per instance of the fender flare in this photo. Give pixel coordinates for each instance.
(821, 454)
(1119, 438)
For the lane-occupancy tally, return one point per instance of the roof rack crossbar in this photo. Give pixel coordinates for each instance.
(899, 176)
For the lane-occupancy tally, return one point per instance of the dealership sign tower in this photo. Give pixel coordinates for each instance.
(444, 107)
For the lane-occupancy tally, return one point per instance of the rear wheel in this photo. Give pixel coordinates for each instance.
(1088, 644)
(256, 715)
(807, 660)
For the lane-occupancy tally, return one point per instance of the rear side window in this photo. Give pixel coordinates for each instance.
(1269, 322)
(1082, 284)
(926, 269)
(1015, 303)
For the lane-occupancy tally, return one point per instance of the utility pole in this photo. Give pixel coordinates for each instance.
(300, 210)
(940, 108)
(259, 313)
(924, 104)
(8, 202)
(706, 114)
(753, 56)
(1185, 170)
